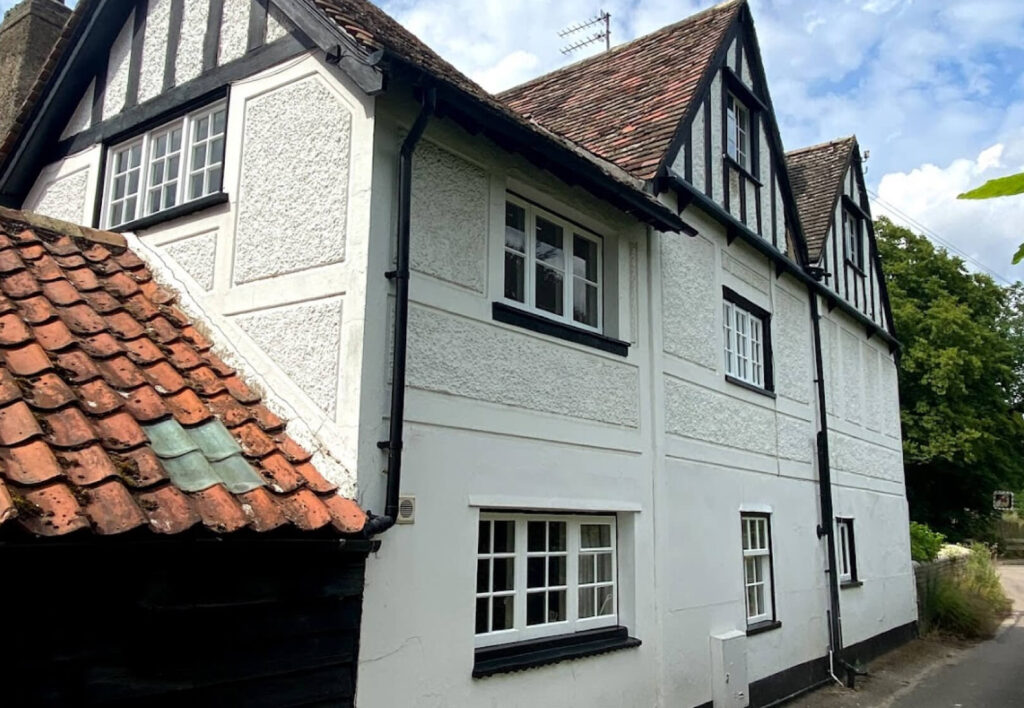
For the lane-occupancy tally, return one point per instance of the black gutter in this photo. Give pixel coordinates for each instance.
(734, 227)
(827, 526)
(393, 445)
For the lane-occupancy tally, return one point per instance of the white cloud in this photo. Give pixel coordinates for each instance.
(988, 231)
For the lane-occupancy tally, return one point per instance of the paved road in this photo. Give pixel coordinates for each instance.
(990, 675)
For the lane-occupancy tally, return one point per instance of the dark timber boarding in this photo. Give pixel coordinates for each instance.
(210, 623)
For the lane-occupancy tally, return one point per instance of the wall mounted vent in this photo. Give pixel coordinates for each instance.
(406, 510)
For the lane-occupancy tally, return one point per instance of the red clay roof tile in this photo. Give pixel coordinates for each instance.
(112, 509)
(13, 331)
(169, 510)
(87, 466)
(305, 509)
(29, 463)
(73, 450)
(146, 405)
(10, 261)
(101, 345)
(53, 335)
(624, 105)
(68, 428)
(187, 407)
(219, 509)
(7, 510)
(17, 424)
(48, 392)
(61, 292)
(36, 310)
(263, 514)
(280, 474)
(27, 360)
(50, 510)
(20, 285)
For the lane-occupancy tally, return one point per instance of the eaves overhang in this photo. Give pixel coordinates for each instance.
(688, 194)
(570, 163)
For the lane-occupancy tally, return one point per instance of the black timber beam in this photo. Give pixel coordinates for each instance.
(782, 263)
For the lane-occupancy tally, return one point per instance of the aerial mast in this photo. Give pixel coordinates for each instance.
(605, 33)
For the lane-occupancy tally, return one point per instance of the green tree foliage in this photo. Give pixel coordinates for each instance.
(960, 389)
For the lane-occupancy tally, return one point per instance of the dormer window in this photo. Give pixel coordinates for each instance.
(853, 240)
(737, 119)
(178, 162)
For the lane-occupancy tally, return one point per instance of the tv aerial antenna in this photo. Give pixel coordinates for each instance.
(597, 28)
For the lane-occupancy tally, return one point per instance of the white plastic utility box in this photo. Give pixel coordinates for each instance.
(729, 687)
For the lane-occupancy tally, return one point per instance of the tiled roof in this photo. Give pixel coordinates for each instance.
(816, 175)
(115, 414)
(625, 105)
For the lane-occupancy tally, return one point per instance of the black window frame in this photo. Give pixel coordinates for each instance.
(730, 295)
(851, 538)
(733, 85)
(773, 622)
(149, 122)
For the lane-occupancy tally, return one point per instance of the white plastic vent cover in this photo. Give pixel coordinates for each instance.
(406, 510)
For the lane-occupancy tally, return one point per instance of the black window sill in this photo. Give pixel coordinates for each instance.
(850, 584)
(766, 626)
(855, 266)
(536, 323)
(730, 160)
(749, 386)
(147, 222)
(541, 652)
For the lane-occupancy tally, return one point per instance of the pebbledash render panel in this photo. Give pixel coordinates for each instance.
(586, 451)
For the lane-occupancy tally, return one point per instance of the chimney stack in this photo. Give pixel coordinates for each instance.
(27, 35)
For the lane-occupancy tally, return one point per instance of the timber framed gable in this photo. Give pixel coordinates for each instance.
(700, 164)
(832, 198)
(123, 67)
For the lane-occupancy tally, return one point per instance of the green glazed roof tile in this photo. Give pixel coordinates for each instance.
(214, 440)
(191, 472)
(169, 439)
(238, 476)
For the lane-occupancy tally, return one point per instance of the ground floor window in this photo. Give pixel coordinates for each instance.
(542, 575)
(845, 551)
(757, 568)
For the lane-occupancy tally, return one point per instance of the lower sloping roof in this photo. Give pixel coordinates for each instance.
(816, 175)
(116, 414)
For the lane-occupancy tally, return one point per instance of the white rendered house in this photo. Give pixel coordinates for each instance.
(649, 434)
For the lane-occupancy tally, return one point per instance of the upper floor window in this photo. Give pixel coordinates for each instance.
(747, 341)
(544, 575)
(552, 266)
(852, 238)
(737, 131)
(178, 162)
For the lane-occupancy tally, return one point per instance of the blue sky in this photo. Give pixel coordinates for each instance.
(934, 89)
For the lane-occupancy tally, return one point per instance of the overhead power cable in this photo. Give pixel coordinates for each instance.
(932, 234)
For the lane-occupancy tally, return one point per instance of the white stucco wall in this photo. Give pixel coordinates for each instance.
(189, 62)
(234, 30)
(116, 86)
(300, 133)
(154, 49)
(66, 190)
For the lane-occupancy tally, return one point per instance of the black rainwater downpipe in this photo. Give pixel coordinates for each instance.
(393, 445)
(827, 527)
